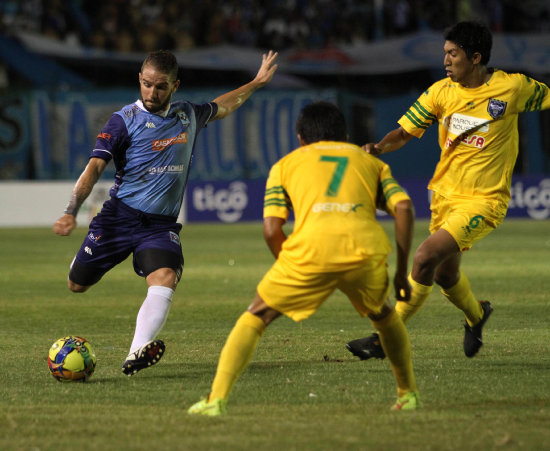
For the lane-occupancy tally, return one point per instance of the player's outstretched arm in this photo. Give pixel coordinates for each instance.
(404, 228)
(392, 141)
(82, 189)
(230, 101)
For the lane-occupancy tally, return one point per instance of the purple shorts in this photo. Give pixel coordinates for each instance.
(119, 230)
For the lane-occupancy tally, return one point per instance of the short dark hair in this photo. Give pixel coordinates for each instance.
(163, 61)
(472, 37)
(321, 121)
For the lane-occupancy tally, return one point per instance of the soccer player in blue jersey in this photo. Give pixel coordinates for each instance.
(151, 143)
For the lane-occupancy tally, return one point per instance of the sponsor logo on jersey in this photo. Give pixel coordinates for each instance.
(183, 118)
(106, 136)
(331, 207)
(228, 204)
(160, 144)
(92, 237)
(88, 250)
(150, 125)
(461, 123)
(471, 140)
(496, 108)
(171, 168)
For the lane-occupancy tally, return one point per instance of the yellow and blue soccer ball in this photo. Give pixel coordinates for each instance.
(72, 358)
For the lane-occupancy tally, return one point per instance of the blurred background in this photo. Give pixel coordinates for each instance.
(67, 65)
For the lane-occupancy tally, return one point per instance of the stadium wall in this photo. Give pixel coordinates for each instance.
(49, 135)
(41, 203)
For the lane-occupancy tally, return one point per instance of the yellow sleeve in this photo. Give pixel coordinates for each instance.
(276, 201)
(532, 94)
(389, 191)
(421, 114)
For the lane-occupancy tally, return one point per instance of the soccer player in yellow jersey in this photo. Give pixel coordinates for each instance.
(334, 188)
(476, 109)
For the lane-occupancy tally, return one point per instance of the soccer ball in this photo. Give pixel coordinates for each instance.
(71, 359)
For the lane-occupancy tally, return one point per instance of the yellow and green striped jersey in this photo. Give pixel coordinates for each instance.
(478, 132)
(334, 189)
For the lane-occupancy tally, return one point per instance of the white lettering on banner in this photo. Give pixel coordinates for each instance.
(536, 199)
(228, 204)
(461, 123)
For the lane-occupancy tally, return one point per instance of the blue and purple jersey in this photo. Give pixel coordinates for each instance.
(152, 153)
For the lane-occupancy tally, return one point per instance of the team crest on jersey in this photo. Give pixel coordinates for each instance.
(131, 111)
(174, 238)
(183, 118)
(496, 108)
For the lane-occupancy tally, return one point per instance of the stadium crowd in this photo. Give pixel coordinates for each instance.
(144, 25)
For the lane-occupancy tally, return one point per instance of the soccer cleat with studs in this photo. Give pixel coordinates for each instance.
(213, 408)
(366, 348)
(146, 356)
(409, 401)
(472, 334)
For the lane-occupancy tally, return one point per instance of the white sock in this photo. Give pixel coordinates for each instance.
(152, 315)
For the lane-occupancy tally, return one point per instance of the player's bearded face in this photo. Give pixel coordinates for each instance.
(156, 89)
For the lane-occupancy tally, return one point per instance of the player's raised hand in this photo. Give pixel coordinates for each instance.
(372, 148)
(64, 225)
(267, 69)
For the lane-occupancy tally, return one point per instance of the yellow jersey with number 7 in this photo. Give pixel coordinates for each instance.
(334, 189)
(478, 132)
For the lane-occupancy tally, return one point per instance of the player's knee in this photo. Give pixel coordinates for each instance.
(424, 260)
(387, 308)
(447, 279)
(166, 277)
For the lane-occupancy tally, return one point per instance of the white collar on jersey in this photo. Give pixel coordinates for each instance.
(164, 113)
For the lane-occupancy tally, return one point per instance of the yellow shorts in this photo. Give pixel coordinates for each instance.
(466, 220)
(299, 294)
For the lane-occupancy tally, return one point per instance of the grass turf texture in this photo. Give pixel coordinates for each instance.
(303, 390)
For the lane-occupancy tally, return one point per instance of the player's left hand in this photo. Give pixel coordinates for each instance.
(402, 287)
(267, 69)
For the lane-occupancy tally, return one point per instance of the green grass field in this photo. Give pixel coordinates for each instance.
(303, 390)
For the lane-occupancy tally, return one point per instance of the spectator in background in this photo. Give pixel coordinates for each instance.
(255, 23)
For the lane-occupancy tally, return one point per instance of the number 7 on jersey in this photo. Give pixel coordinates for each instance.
(341, 163)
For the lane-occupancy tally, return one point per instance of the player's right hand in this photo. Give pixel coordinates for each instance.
(372, 148)
(64, 225)
(402, 287)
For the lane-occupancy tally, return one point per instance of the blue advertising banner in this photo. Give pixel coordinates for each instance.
(225, 201)
(15, 136)
(242, 200)
(530, 197)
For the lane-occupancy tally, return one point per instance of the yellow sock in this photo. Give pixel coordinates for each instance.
(397, 347)
(236, 353)
(419, 294)
(461, 295)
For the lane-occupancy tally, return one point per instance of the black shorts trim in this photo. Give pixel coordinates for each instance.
(85, 275)
(149, 260)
